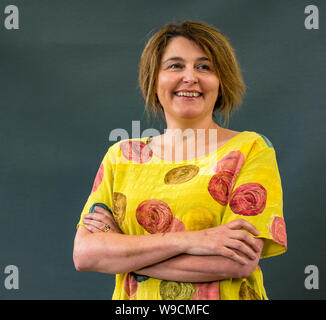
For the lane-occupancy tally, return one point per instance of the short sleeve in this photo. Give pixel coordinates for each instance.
(102, 190)
(257, 197)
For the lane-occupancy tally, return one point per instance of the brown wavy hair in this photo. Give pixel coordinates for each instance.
(217, 48)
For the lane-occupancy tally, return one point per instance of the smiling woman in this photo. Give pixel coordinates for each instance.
(213, 58)
(188, 228)
(187, 86)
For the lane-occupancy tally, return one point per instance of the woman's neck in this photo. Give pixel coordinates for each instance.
(192, 132)
(188, 141)
(186, 124)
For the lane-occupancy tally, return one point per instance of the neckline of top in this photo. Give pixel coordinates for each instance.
(148, 139)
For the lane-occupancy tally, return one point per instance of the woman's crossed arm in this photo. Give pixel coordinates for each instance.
(198, 256)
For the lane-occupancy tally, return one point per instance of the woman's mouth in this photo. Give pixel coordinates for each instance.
(188, 95)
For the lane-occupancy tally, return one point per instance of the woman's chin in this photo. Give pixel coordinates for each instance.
(190, 114)
(187, 113)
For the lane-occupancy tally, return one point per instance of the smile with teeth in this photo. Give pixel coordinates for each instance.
(187, 94)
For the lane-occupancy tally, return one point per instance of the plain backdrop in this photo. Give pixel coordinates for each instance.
(68, 77)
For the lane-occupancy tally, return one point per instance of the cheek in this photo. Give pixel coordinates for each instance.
(213, 88)
(166, 84)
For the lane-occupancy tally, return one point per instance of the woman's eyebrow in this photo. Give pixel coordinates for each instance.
(181, 59)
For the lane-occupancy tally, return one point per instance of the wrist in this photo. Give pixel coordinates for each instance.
(180, 241)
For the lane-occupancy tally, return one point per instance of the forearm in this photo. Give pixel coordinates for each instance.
(110, 252)
(190, 268)
(118, 253)
(175, 271)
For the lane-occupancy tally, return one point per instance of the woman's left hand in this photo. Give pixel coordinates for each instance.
(100, 221)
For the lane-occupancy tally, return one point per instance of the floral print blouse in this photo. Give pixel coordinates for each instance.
(148, 195)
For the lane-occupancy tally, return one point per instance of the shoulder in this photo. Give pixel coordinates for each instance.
(246, 136)
(257, 144)
(260, 140)
(250, 143)
(113, 152)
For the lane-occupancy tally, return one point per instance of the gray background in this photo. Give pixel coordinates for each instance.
(68, 77)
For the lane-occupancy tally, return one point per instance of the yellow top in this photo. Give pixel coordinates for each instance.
(149, 195)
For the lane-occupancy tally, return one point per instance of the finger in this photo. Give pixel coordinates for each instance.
(103, 211)
(114, 228)
(108, 218)
(240, 223)
(105, 217)
(100, 224)
(111, 219)
(92, 228)
(242, 248)
(97, 217)
(95, 224)
(245, 237)
(228, 253)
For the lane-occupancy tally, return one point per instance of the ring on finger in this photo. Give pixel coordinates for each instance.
(106, 228)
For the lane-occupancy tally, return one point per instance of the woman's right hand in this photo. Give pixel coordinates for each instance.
(98, 220)
(226, 240)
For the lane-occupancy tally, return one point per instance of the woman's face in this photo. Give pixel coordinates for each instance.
(187, 85)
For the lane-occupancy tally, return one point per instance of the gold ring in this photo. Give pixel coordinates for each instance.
(106, 228)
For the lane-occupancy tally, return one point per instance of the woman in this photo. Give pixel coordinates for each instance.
(188, 214)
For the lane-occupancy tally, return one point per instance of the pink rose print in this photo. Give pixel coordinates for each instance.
(277, 230)
(248, 199)
(220, 186)
(227, 170)
(136, 151)
(154, 216)
(232, 163)
(130, 286)
(207, 291)
(98, 178)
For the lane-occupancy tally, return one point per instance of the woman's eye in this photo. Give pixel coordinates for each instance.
(180, 66)
(204, 67)
(175, 66)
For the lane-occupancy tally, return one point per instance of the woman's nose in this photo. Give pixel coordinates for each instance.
(190, 76)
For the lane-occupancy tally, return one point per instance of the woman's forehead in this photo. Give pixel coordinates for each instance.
(183, 48)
